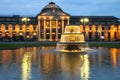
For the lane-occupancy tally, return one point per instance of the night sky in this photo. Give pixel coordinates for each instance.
(73, 7)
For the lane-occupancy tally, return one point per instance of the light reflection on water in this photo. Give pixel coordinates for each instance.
(43, 63)
(26, 66)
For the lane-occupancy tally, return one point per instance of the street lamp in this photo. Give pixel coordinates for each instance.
(25, 20)
(84, 21)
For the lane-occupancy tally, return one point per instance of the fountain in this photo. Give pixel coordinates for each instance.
(72, 40)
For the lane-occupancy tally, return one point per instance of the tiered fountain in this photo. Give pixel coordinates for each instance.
(72, 41)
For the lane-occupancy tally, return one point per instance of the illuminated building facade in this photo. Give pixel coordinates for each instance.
(49, 24)
(12, 28)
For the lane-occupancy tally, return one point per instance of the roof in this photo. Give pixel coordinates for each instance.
(52, 10)
(93, 16)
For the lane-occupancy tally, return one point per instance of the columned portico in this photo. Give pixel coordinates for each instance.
(51, 22)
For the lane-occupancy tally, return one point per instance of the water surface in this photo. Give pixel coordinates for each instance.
(44, 63)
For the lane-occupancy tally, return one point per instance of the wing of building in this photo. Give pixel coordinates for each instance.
(50, 23)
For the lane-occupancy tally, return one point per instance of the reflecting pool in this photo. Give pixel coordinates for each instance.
(44, 63)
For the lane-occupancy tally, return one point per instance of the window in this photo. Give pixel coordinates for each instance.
(20, 28)
(102, 28)
(34, 28)
(6, 28)
(13, 28)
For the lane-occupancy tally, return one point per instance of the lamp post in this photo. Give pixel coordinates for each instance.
(84, 21)
(25, 20)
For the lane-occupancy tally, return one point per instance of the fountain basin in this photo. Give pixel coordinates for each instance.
(72, 41)
(72, 47)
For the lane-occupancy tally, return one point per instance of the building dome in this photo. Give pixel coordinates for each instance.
(52, 10)
(51, 5)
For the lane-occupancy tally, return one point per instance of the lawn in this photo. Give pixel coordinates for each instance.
(14, 45)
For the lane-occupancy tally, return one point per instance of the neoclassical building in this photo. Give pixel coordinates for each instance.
(50, 23)
(12, 28)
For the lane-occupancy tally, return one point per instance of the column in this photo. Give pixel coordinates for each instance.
(111, 35)
(56, 30)
(50, 29)
(44, 29)
(86, 35)
(106, 36)
(68, 22)
(39, 30)
(62, 25)
(93, 35)
(100, 35)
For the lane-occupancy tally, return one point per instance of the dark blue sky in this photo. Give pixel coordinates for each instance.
(73, 7)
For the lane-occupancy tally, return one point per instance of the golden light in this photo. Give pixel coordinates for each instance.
(53, 33)
(39, 17)
(83, 20)
(25, 19)
(28, 19)
(48, 33)
(113, 53)
(6, 32)
(84, 69)
(34, 33)
(51, 17)
(28, 36)
(62, 17)
(59, 33)
(86, 19)
(99, 31)
(115, 28)
(26, 66)
(21, 33)
(44, 17)
(68, 17)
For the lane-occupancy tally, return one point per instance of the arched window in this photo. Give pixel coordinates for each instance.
(102, 28)
(3, 27)
(10, 27)
(34, 28)
(6, 27)
(81, 28)
(23, 27)
(87, 28)
(93, 28)
(30, 28)
(17, 28)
